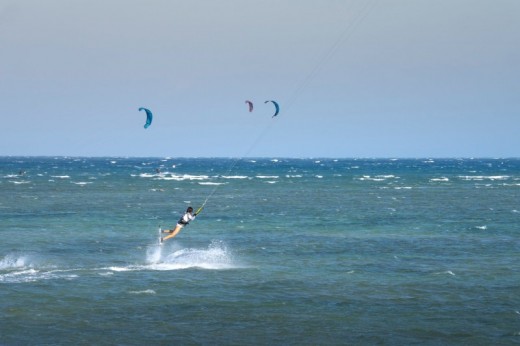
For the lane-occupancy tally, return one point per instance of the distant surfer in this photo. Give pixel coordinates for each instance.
(183, 221)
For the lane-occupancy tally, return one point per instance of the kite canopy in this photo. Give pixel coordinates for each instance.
(250, 104)
(149, 117)
(277, 107)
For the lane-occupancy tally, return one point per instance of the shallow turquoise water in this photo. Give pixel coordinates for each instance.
(286, 251)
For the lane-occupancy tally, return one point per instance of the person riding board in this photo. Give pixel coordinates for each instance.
(183, 221)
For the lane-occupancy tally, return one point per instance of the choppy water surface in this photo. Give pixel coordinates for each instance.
(287, 251)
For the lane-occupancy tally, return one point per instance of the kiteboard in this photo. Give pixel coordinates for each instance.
(160, 235)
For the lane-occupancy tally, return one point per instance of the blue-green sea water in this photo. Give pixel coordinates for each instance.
(286, 251)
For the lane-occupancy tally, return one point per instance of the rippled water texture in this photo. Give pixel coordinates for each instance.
(286, 251)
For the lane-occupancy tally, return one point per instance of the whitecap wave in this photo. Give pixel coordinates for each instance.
(177, 177)
(484, 177)
(441, 179)
(377, 177)
(106, 273)
(142, 292)
(20, 269)
(448, 272)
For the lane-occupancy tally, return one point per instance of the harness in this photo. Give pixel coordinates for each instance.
(182, 222)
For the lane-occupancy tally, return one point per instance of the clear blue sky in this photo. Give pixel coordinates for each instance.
(387, 78)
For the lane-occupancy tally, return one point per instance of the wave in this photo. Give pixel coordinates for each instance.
(33, 275)
(19, 182)
(142, 292)
(377, 177)
(448, 272)
(441, 179)
(235, 177)
(22, 269)
(171, 176)
(484, 177)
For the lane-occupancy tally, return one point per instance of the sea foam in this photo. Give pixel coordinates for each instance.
(158, 257)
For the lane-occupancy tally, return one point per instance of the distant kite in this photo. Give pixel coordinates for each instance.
(276, 107)
(250, 104)
(149, 117)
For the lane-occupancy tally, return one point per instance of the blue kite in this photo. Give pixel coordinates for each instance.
(149, 117)
(277, 107)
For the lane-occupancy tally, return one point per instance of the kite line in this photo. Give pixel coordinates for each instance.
(237, 160)
(344, 36)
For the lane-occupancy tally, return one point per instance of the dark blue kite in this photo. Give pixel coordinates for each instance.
(250, 104)
(276, 107)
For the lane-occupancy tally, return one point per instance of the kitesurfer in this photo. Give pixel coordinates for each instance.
(183, 221)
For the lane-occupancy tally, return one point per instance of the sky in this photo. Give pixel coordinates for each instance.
(354, 78)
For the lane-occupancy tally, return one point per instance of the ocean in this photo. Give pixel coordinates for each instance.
(285, 252)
